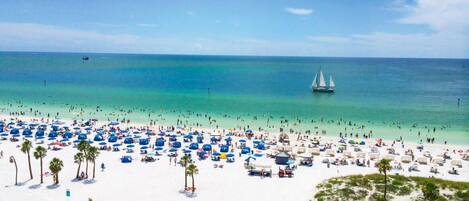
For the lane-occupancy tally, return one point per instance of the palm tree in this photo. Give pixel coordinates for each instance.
(430, 192)
(185, 161)
(91, 155)
(12, 160)
(25, 148)
(40, 153)
(55, 167)
(384, 166)
(83, 147)
(192, 170)
(79, 157)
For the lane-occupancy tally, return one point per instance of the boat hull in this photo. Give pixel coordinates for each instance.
(324, 90)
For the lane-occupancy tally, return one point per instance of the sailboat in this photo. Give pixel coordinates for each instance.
(319, 83)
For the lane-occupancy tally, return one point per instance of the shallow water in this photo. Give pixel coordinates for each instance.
(375, 92)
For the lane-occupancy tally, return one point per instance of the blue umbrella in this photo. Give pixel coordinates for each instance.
(242, 140)
(40, 137)
(4, 134)
(144, 147)
(173, 150)
(159, 148)
(116, 145)
(186, 151)
(130, 146)
(16, 135)
(216, 154)
(28, 136)
(102, 143)
(230, 155)
(51, 138)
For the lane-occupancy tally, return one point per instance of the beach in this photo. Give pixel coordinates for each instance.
(160, 180)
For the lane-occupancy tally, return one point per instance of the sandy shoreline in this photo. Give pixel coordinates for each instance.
(162, 181)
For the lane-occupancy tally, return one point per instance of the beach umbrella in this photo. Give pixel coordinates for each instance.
(144, 147)
(114, 123)
(102, 143)
(242, 140)
(159, 148)
(55, 128)
(161, 134)
(176, 144)
(64, 140)
(216, 154)
(16, 135)
(230, 155)
(4, 134)
(130, 146)
(76, 128)
(173, 150)
(112, 138)
(40, 137)
(14, 131)
(52, 134)
(39, 133)
(98, 138)
(229, 139)
(224, 148)
(245, 150)
(76, 141)
(188, 136)
(128, 141)
(116, 145)
(159, 143)
(82, 136)
(207, 147)
(28, 136)
(67, 135)
(258, 155)
(51, 138)
(186, 151)
(193, 146)
(143, 141)
(249, 158)
(229, 134)
(27, 131)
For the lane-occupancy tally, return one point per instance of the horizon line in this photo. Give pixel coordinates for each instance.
(231, 55)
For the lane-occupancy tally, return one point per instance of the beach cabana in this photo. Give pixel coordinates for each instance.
(112, 138)
(245, 150)
(39, 133)
(282, 158)
(159, 142)
(315, 151)
(14, 131)
(207, 147)
(216, 156)
(27, 131)
(81, 136)
(261, 146)
(143, 141)
(224, 148)
(176, 144)
(52, 134)
(200, 138)
(98, 138)
(193, 146)
(330, 152)
(230, 157)
(128, 140)
(202, 154)
(67, 135)
(126, 159)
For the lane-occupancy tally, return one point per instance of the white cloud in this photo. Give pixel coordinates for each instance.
(440, 15)
(299, 11)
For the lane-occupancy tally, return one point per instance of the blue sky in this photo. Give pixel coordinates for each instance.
(355, 28)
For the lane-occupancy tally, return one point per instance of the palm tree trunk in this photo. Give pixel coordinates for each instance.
(385, 184)
(30, 170)
(94, 168)
(78, 171)
(16, 174)
(185, 178)
(193, 185)
(57, 178)
(86, 169)
(42, 181)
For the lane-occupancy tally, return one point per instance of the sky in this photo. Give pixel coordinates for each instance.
(337, 28)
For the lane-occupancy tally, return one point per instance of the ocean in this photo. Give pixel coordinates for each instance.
(392, 96)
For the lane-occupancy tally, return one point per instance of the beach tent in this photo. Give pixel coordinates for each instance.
(193, 146)
(143, 141)
(176, 144)
(207, 147)
(282, 158)
(330, 152)
(52, 134)
(112, 138)
(406, 159)
(438, 160)
(202, 154)
(126, 159)
(128, 140)
(81, 136)
(67, 135)
(224, 148)
(245, 150)
(422, 160)
(159, 142)
(261, 146)
(39, 133)
(216, 156)
(14, 131)
(98, 137)
(457, 163)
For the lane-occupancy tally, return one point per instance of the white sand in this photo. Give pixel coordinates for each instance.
(160, 181)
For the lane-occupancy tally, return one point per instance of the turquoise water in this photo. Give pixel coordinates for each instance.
(386, 95)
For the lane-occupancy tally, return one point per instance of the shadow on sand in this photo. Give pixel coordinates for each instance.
(35, 186)
(53, 186)
(89, 181)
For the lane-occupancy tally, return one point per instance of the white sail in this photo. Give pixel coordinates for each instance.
(331, 82)
(314, 84)
(322, 82)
